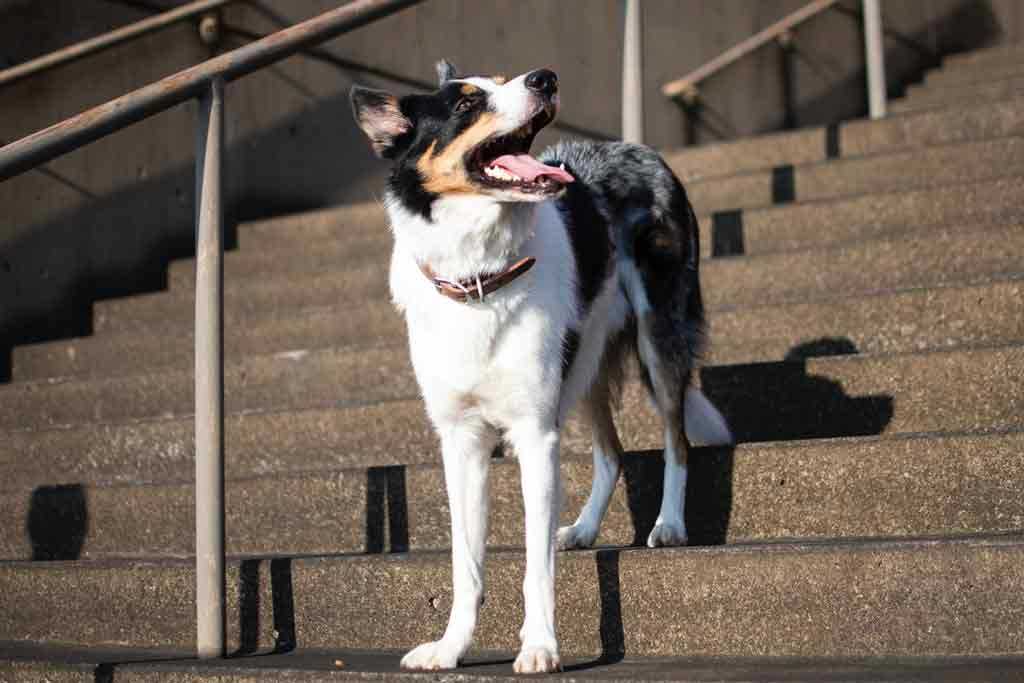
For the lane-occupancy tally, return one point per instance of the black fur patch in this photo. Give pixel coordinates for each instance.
(570, 347)
(438, 119)
(591, 242)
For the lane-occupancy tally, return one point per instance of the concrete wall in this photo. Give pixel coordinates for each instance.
(103, 221)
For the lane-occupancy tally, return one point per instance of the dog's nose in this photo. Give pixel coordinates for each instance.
(543, 81)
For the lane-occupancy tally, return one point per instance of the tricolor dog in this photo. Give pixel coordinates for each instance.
(526, 284)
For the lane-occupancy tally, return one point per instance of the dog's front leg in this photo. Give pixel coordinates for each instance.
(538, 466)
(466, 450)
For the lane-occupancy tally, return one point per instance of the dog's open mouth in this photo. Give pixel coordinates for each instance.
(505, 162)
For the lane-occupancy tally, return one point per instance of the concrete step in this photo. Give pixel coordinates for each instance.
(1007, 86)
(925, 256)
(810, 398)
(246, 295)
(995, 55)
(324, 247)
(914, 168)
(328, 377)
(966, 74)
(961, 596)
(990, 313)
(971, 121)
(930, 98)
(830, 488)
(155, 346)
(273, 246)
(31, 663)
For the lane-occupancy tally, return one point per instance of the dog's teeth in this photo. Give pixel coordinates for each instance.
(500, 174)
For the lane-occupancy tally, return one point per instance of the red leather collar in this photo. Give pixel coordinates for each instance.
(476, 289)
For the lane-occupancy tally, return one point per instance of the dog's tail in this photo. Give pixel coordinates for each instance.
(704, 425)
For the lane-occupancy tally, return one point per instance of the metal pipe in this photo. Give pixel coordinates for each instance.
(209, 336)
(689, 82)
(116, 37)
(874, 57)
(79, 130)
(633, 74)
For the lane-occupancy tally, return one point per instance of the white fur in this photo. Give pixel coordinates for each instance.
(483, 367)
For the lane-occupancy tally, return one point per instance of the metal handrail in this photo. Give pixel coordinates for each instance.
(874, 54)
(686, 87)
(107, 40)
(206, 82)
(154, 98)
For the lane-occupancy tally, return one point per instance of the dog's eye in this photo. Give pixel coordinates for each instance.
(464, 104)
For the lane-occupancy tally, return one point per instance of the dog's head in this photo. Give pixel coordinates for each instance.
(470, 137)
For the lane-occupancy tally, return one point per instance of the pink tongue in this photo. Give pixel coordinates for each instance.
(529, 169)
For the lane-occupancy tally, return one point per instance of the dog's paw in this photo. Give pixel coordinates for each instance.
(575, 536)
(431, 656)
(665, 534)
(537, 660)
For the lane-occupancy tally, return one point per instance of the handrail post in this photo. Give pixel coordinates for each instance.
(874, 58)
(633, 74)
(209, 339)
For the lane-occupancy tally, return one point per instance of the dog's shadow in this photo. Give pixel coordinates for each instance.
(762, 402)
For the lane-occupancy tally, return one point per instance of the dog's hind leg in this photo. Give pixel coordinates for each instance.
(667, 392)
(607, 452)
(466, 451)
(666, 333)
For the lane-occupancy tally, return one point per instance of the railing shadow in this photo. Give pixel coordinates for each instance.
(282, 600)
(58, 522)
(386, 502)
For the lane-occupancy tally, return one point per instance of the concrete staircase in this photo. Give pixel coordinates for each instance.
(866, 292)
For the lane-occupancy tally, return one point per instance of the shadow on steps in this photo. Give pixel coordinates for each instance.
(753, 400)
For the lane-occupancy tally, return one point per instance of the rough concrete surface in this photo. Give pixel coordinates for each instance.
(855, 487)
(899, 598)
(892, 321)
(818, 397)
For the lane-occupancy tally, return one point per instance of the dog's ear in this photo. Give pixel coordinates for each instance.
(378, 114)
(445, 72)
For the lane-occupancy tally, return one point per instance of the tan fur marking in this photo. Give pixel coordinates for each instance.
(468, 89)
(446, 172)
(500, 80)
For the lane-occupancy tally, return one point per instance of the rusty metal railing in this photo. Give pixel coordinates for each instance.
(205, 82)
(108, 40)
(687, 87)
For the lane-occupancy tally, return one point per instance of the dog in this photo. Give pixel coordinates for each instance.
(526, 284)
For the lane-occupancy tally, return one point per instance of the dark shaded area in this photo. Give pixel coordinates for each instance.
(282, 602)
(104, 673)
(248, 607)
(824, 346)
(613, 639)
(58, 522)
(727, 233)
(386, 500)
(832, 141)
(783, 184)
(782, 401)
